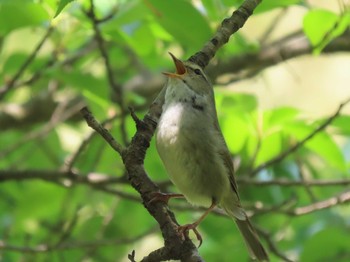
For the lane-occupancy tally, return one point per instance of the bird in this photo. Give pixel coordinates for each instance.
(193, 150)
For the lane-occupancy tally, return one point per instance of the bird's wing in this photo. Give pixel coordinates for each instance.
(228, 163)
(226, 157)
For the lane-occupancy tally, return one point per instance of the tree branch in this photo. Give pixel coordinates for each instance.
(290, 183)
(228, 27)
(115, 87)
(94, 124)
(285, 207)
(102, 47)
(97, 179)
(272, 246)
(44, 248)
(293, 45)
(324, 204)
(8, 86)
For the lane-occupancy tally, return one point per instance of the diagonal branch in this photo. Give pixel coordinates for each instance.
(103, 50)
(272, 246)
(94, 124)
(228, 27)
(294, 148)
(116, 88)
(293, 45)
(287, 207)
(343, 198)
(7, 87)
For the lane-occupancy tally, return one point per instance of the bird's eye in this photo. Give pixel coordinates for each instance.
(198, 72)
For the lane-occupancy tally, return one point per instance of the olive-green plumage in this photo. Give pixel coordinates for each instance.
(194, 152)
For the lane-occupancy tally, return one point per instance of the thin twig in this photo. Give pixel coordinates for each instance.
(302, 177)
(10, 84)
(324, 204)
(101, 45)
(71, 159)
(131, 256)
(69, 111)
(284, 209)
(67, 231)
(275, 22)
(294, 148)
(116, 88)
(43, 248)
(94, 124)
(248, 65)
(290, 183)
(272, 246)
(67, 179)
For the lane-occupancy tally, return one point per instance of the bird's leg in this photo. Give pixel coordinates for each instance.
(186, 228)
(164, 197)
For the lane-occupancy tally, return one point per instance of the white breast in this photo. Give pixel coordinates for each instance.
(187, 144)
(169, 124)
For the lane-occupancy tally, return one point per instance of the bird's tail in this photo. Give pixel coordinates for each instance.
(248, 232)
(251, 239)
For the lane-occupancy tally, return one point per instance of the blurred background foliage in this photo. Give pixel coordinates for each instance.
(64, 191)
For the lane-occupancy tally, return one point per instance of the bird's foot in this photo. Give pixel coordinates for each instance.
(163, 197)
(184, 230)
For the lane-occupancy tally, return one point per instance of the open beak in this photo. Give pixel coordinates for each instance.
(180, 68)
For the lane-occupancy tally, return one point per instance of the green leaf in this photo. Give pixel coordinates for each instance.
(214, 9)
(322, 26)
(62, 4)
(235, 130)
(17, 14)
(269, 148)
(181, 20)
(331, 244)
(159, 32)
(236, 123)
(45, 204)
(317, 23)
(281, 116)
(140, 34)
(342, 124)
(128, 13)
(94, 89)
(16, 60)
(236, 102)
(342, 25)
